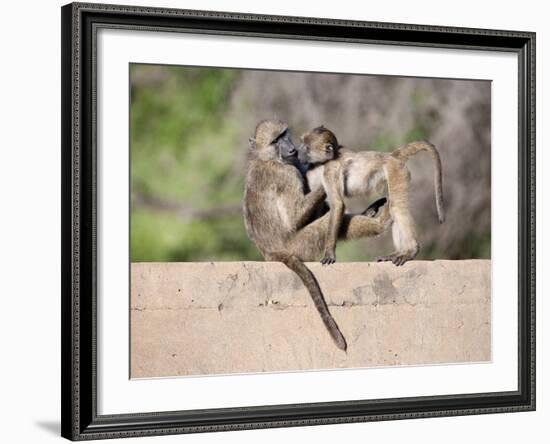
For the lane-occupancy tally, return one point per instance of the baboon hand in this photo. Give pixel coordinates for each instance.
(330, 258)
(373, 208)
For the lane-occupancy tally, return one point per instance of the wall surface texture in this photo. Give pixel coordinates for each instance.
(235, 317)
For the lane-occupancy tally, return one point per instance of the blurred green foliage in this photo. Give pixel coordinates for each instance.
(387, 142)
(183, 152)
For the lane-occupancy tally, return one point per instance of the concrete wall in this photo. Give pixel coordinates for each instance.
(234, 317)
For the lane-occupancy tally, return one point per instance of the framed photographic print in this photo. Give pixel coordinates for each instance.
(280, 221)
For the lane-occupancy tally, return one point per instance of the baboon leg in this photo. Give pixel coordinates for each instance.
(403, 232)
(358, 226)
(308, 244)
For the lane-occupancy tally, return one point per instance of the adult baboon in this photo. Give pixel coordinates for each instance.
(278, 212)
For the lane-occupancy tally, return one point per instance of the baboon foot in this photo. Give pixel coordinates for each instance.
(397, 259)
(330, 258)
(373, 208)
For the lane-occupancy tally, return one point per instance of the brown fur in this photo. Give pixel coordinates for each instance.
(345, 173)
(277, 213)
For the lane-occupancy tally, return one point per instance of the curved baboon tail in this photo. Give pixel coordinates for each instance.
(410, 149)
(307, 277)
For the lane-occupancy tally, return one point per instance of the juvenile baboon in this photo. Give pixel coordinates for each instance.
(277, 213)
(345, 173)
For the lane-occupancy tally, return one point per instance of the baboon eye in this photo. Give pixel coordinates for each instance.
(280, 136)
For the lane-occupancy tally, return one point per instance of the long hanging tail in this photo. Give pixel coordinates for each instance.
(405, 152)
(307, 277)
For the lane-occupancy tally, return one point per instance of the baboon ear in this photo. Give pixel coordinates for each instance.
(252, 143)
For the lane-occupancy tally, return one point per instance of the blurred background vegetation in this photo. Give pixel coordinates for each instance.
(189, 133)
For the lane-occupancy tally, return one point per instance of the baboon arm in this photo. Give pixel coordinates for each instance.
(332, 180)
(337, 210)
(306, 206)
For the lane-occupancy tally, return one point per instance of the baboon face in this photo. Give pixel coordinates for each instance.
(285, 147)
(273, 141)
(318, 146)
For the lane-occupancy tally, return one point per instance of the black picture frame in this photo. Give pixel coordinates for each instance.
(79, 171)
